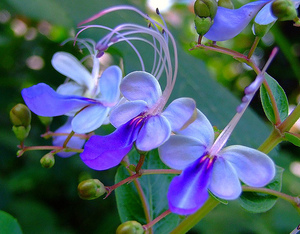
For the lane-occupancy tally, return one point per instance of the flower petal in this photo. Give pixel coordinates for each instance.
(188, 191)
(201, 129)
(126, 111)
(44, 101)
(141, 85)
(71, 67)
(180, 151)
(74, 142)
(70, 88)
(110, 84)
(265, 16)
(90, 118)
(179, 112)
(104, 152)
(155, 131)
(253, 167)
(230, 22)
(224, 182)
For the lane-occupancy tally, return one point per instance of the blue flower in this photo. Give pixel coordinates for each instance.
(230, 22)
(87, 97)
(205, 168)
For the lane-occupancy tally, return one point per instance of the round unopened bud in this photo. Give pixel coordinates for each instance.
(202, 25)
(45, 120)
(20, 115)
(130, 227)
(205, 8)
(90, 189)
(226, 4)
(47, 161)
(284, 9)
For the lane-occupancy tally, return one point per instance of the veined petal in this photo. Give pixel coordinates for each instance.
(155, 131)
(70, 88)
(44, 101)
(253, 167)
(74, 142)
(90, 118)
(224, 182)
(71, 67)
(179, 112)
(180, 151)
(126, 111)
(110, 84)
(265, 15)
(230, 22)
(104, 152)
(141, 85)
(188, 191)
(201, 129)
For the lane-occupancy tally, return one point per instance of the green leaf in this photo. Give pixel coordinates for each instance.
(279, 96)
(9, 224)
(155, 188)
(259, 202)
(292, 138)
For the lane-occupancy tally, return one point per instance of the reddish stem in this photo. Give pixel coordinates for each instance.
(156, 220)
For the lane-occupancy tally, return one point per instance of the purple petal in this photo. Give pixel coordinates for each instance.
(201, 129)
(110, 84)
(140, 85)
(265, 16)
(188, 191)
(224, 182)
(230, 22)
(253, 167)
(127, 111)
(155, 131)
(90, 118)
(75, 142)
(104, 152)
(70, 88)
(179, 112)
(71, 67)
(180, 151)
(44, 101)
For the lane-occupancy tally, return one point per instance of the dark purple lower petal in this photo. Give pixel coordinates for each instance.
(104, 152)
(188, 191)
(43, 100)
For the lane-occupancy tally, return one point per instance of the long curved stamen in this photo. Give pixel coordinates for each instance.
(249, 91)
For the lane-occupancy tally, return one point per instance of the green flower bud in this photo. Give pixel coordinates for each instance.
(21, 132)
(205, 8)
(261, 30)
(20, 115)
(47, 161)
(90, 189)
(284, 9)
(130, 227)
(226, 4)
(45, 120)
(203, 25)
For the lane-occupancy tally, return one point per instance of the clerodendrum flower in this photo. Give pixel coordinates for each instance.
(230, 22)
(206, 165)
(141, 118)
(87, 97)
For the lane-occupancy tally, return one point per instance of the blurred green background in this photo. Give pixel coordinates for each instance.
(46, 200)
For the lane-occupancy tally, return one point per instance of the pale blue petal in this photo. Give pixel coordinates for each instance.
(180, 151)
(201, 129)
(253, 167)
(71, 67)
(141, 85)
(70, 88)
(74, 142)
(265, 16)
(155, 131)
(179, 112)
(230, 22)
(110, 84)
(127, 111)
(188, 191)
(224, 182)
(90, 118)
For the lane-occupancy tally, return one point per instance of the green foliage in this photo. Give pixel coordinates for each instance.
(9, 224)
(292, 138)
